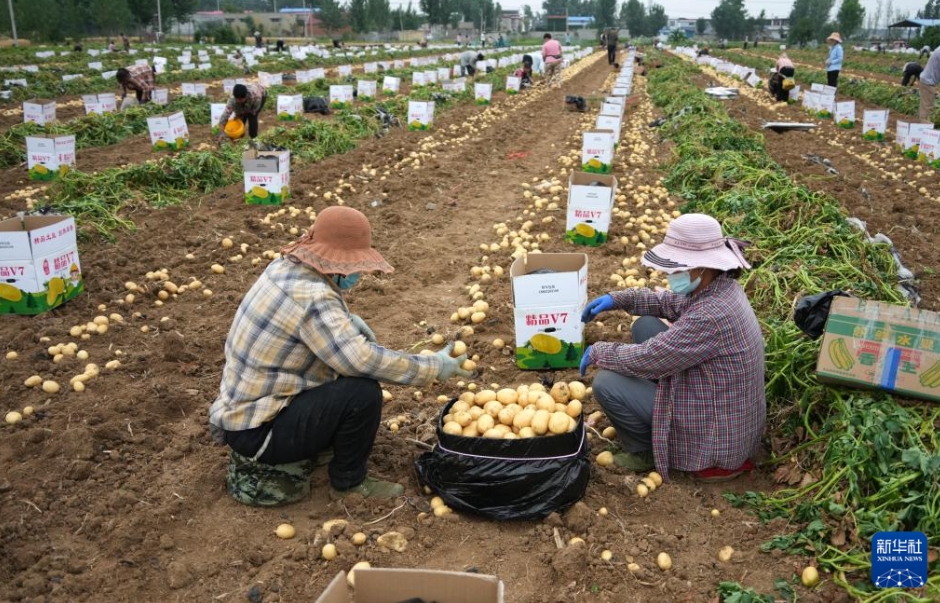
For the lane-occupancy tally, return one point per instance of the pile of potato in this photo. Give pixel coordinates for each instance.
(525, 412)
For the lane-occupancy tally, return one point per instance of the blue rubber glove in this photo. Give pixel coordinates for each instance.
(451, 366)
(585, 360)
(362, 327)
(596, 306)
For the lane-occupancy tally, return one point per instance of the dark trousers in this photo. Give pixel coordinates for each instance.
(628, 401)
(832, 78)
(343, 415)
(252, 118)
(611, 54)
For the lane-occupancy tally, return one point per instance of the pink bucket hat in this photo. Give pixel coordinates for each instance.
(339, 242)
(696, 241)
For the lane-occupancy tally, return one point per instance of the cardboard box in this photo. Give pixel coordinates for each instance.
(420, 115)
(597, 151)
(290, 107)
(483, 93)
(49, 156)
(215, 114)
(547, 309)
(870, 344)
(341, 96)
(513, 84)
(390, 84)
(393, 585)
(590, 205)
(39, 265)
(99, 104)
(267, 177)
(366, 90)
(168, 132)
(38, 111)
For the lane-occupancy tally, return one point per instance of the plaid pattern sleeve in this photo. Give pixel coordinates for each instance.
(292, 333)
(140, 79)
(710, 406)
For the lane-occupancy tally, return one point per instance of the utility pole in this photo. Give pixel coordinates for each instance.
(16, 42)
(159, 22)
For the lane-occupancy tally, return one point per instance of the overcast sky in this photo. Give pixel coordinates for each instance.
(703, 8)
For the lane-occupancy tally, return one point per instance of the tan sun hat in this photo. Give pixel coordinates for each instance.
(835, 36)
(338, 242)
(696, 241)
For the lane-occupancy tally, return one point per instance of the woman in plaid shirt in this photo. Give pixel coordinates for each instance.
(300, 385)
(689, 396)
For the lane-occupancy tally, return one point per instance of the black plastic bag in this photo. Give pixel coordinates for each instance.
(527, 478)
(812, 311)
(316, 104)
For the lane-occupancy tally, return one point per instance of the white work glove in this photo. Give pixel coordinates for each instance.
(451, 366)
(362, 327)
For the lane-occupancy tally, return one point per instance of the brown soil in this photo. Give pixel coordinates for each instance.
(116, 494)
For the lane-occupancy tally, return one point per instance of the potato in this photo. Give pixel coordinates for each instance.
(359, 539)
(459, 348)
(329, 551)
(351, 576)
(492, 408)
(725, 553)
(453, 428)
(526, 432)
(493, 433)
(485, 423)
(558, 422)
(437, 339)
(657, 478)
(576, 390)
(573, 409)
(642, 491)
(285, 531)
(540, 422)
(606, 555)
(649, 484)
(470, 431)
(609, 433)
(507, 414)
(462, 418)
(50, 387)
(545, 402)
(507, 396)
(605, 459)
(810, 577)
(33, 381)
(664, 561)
(576, 541)
(13, 417)
(559, 392)
(715, 512)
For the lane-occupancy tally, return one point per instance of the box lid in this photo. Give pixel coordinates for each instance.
(566, 283)
(391, 585)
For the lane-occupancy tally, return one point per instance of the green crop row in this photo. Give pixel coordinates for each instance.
(871, 462)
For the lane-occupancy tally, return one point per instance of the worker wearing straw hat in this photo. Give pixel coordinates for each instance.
(301, 379)
(689, 396)
(834, 60)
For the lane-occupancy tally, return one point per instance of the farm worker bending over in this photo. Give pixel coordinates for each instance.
(302, 373)
(140, 79)
(912, 71)
(246, 103)
(929, 78)
(834, 60)
(551, 53)
(468, 62)
(778, 85)
(689, 396)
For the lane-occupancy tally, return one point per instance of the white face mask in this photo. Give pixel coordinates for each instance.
(681, 283)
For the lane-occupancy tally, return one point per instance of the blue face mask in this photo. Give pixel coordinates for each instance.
(348, 281)
(681, 283)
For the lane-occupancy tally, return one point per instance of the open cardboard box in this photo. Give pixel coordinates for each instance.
(396, 585)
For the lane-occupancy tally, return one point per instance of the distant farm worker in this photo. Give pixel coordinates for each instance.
(834, 60)
(125, 42)
(301, 382)
(258, 40)
(924, 52)
(912, 71)
(689, 396)
(611, 46)
(781, 82)
(551, 54)
(929, 78)
(468, 61)
(139, 78)
(246, 103)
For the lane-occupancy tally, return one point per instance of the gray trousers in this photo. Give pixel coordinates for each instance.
(628, 401)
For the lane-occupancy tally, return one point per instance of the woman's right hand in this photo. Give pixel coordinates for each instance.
(596, 306)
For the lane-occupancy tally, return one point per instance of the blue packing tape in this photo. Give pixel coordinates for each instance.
(889, 371)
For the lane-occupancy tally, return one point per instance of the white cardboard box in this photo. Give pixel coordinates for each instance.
(215, 113)
(105, 102)
(168, 132)
(290, 107)
(49, 156)
(392, 585)
(39, 265)
(266, 177)
(38, 111)
(420, 115)
(590, 205)
(483, 93)
(597, 151)
(366, 90)
(341, 96)
(391, 84)
(547, 309)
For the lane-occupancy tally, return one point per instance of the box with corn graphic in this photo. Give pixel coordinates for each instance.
(49, 156)
(597, 151)
(267, 177)
(590, 204)
(872, 344)
(168, 132)
(39, 265)
(549, 291)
